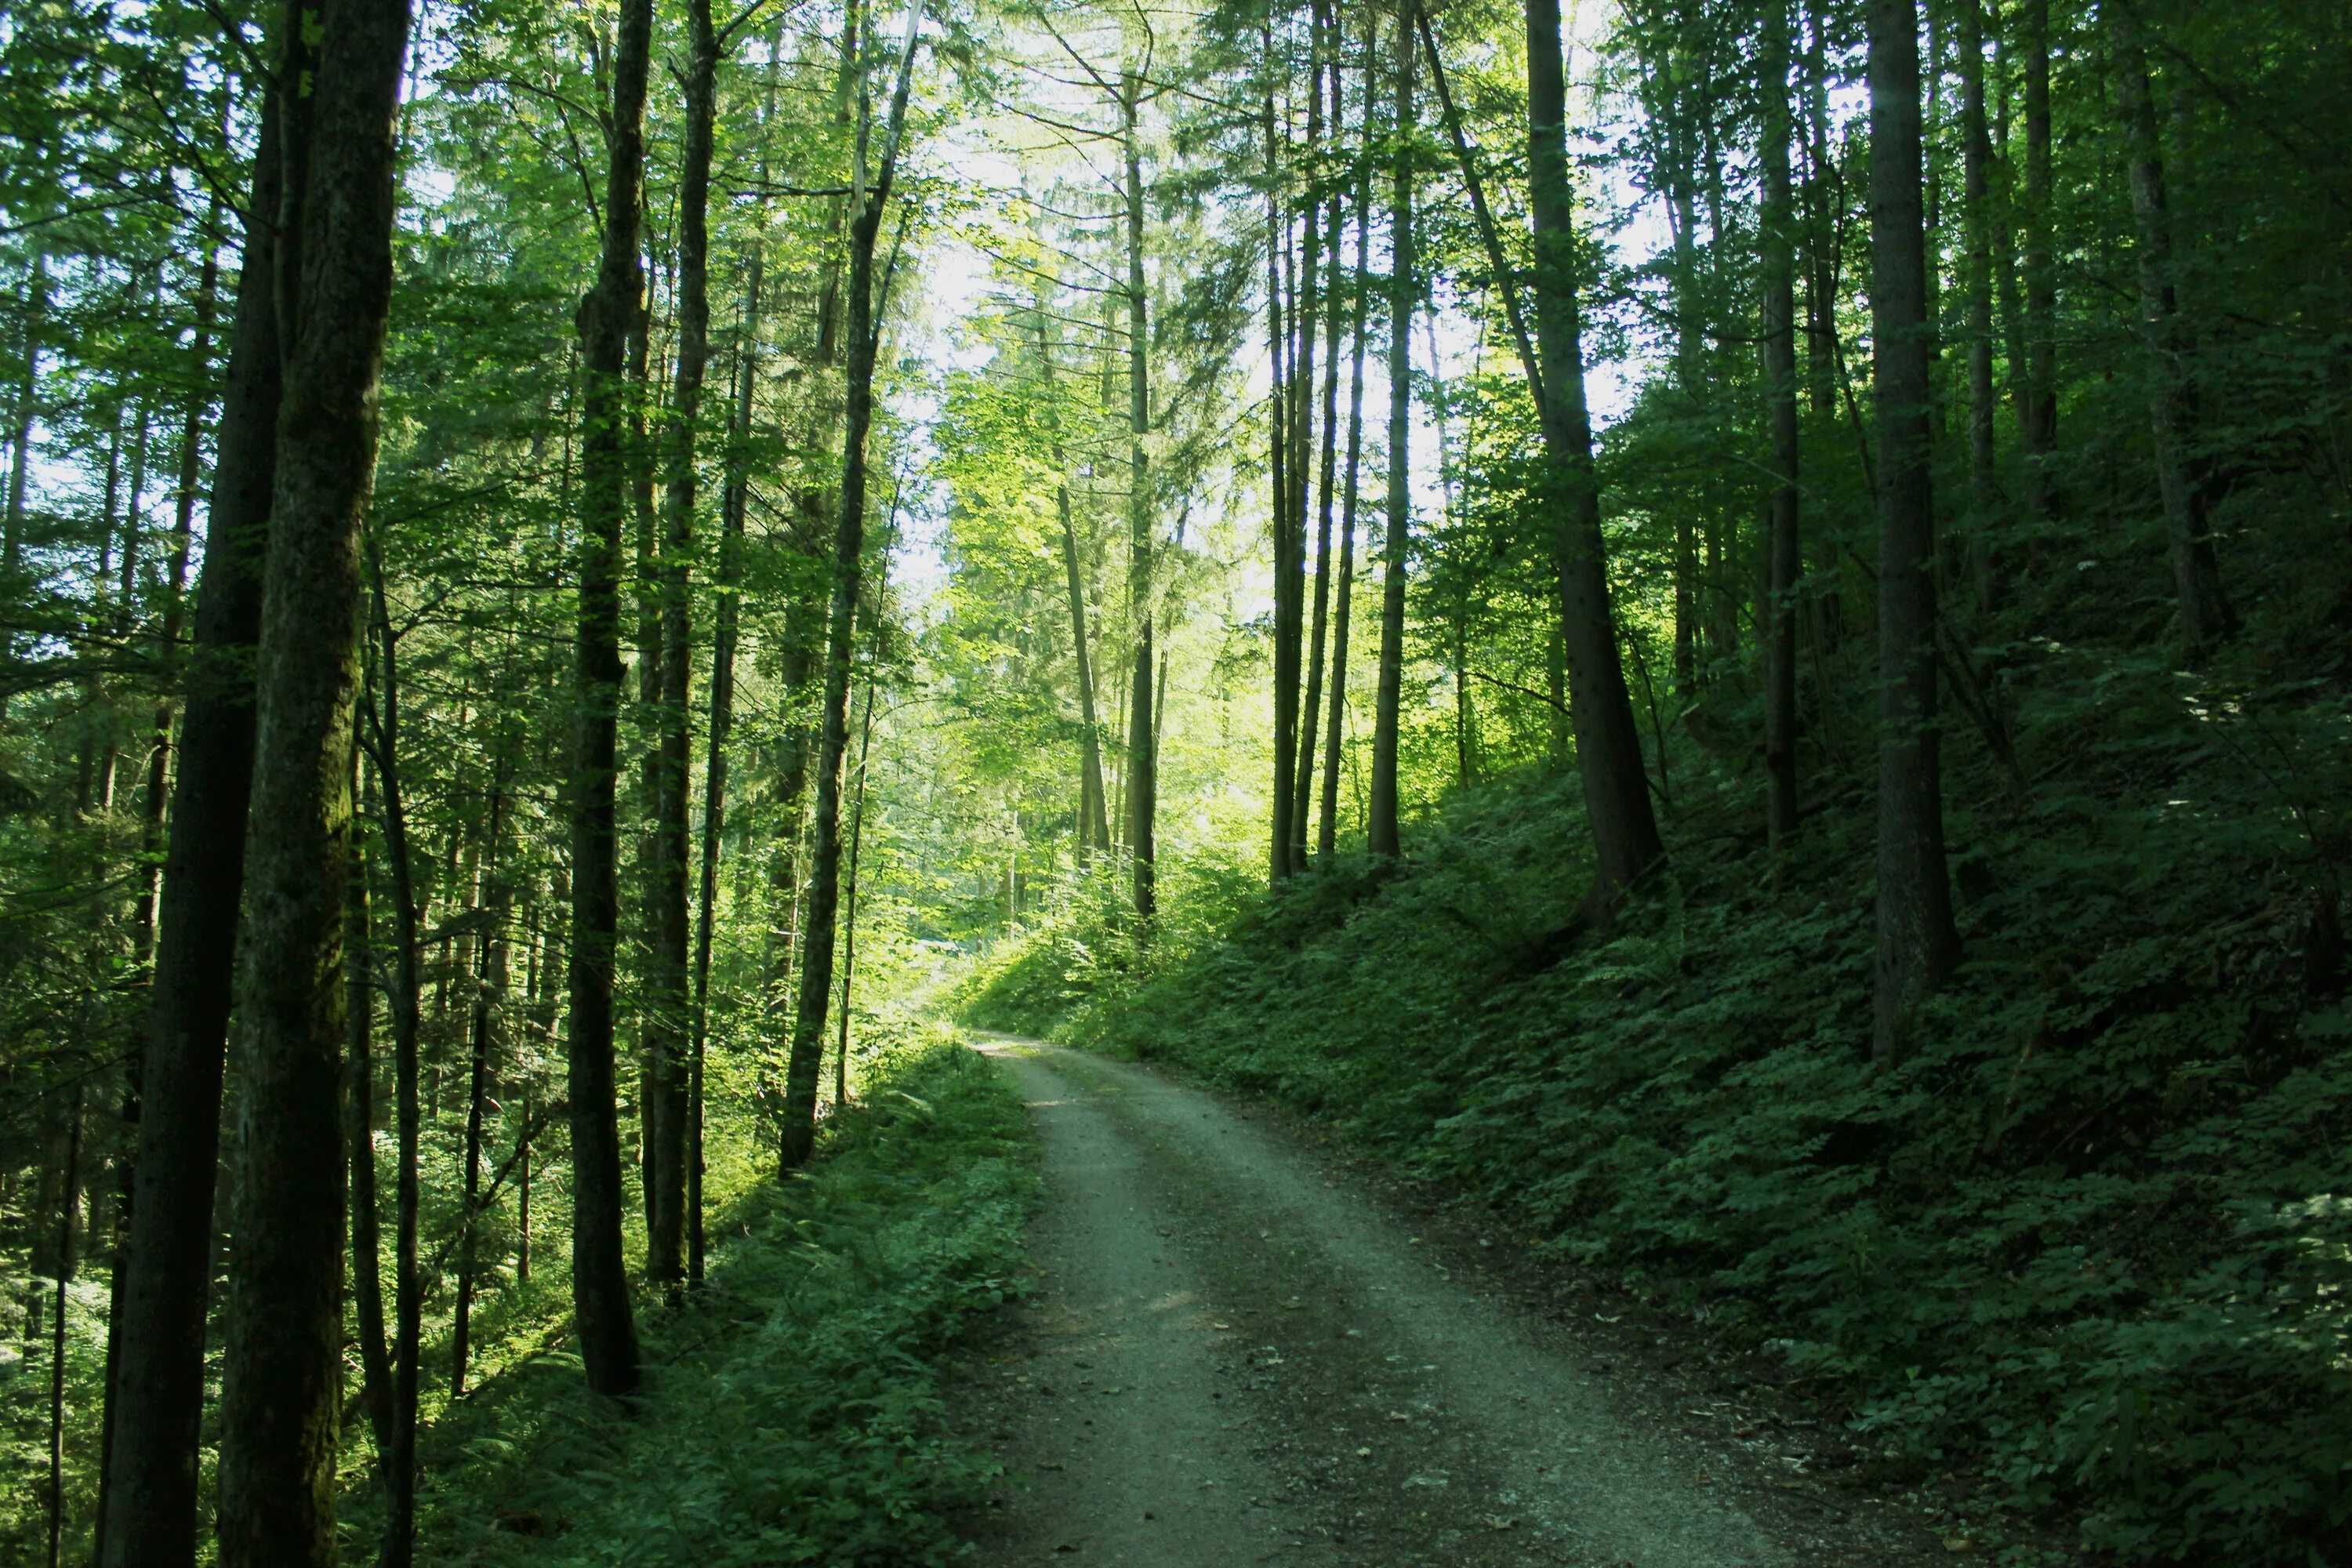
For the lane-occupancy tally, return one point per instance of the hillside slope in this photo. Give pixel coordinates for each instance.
(2091, 1242)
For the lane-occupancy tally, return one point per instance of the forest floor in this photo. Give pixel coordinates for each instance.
(1240, 1348)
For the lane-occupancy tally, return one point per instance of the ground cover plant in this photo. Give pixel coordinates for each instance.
(791, 1409)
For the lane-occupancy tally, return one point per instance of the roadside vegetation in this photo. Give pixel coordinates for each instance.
(791, 1410)
(2089, 1245)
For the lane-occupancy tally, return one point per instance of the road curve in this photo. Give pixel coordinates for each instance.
(1232, 1358)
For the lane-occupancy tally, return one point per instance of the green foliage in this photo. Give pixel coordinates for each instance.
(793, 1410)
(2092, 1240)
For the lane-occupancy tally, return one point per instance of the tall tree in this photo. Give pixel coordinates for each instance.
(147, 1509)
(2206, 616)
(1404, 289)
(281, 1360)
(1601, 711)
(669, 1050)
(1918, 945)
(600, 1286)
(1784, 561)
(1142, 735)
(798, 1136)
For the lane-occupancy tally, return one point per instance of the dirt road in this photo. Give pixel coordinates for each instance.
(1233, 1358)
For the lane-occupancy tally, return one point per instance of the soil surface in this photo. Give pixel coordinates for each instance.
(1238, 1351)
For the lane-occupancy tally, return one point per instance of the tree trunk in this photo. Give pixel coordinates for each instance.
(20, 447)
(1142, 751)
(1601, 711)
(1784, 560)
(489, 1016)
(1287, 542)
(1380, 828)
(281, 1362)
(1326, 478)
(147, 1513)
(1917, 946)
(2037, 393)
(69, 1195)
(671, 1048)
(724, 617)
(175, 604)
(1326, 836)
(1976, 192)
(804, 1066)
(600, 1286)
(2206, 616)
(367, 1276)
(406, 1008)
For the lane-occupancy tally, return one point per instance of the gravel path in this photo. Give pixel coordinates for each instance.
(1233, 1357)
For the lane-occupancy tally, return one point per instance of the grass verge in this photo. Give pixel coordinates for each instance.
(792, 1410)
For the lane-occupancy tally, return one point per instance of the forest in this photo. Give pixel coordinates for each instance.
(1715, 634)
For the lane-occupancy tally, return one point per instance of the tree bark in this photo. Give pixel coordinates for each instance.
(1917, 944)
(1601, 711)
(2206, 616)
(147, 1510)
(1784, 559)
(1380, 826)
(600, 1286)
(282, 1366)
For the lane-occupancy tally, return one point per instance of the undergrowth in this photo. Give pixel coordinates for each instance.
(2092, 1242)
(791, 1410)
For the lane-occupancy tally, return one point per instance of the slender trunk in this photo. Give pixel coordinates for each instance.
(1325, 480)
(1917, 946)
(600, 1286)
(1976, 190)
(281, 1362)
(147, 1510)
(671, 1048)
(384, 718)
(1281, 436)
(489, 1016)
(1784, 559)
(849, 895)
(20, 446)
(1094, 827)
(2038, 387)
(69, 1196)
(367, 1269)
(1142, 751)
(1601, 711)
(1823, 226)
(806, 1060)
(2206, 616)
(1326, 836)
(175, 604)
(1382, 825)
(725, 614)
